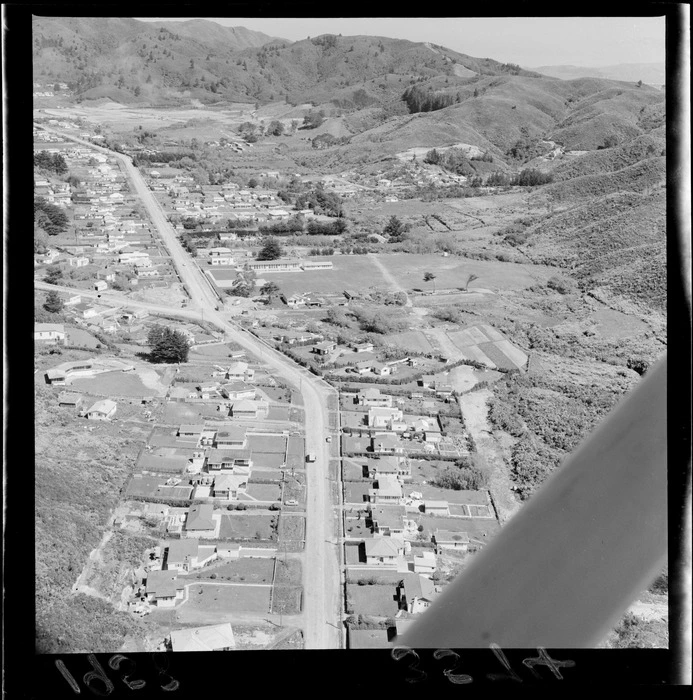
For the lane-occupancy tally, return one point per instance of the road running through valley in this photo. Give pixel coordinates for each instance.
(321, 592)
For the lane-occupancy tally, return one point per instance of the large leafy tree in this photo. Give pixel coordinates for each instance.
(169, 345)
(270, 251)
(53, 304)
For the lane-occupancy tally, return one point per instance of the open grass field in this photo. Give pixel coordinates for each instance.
(451, 272)
(384, 577)
(373, 600)
(246, 526)
(82, 338)
(291, 528)
(240, 571)
(415, 341)
(216, 350)
(263, 492)
(356, 491)
(209, 598)
(113, 384)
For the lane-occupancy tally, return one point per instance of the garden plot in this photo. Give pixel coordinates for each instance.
(485, 344)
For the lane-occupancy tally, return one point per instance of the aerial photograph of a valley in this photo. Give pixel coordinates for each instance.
(319, 305)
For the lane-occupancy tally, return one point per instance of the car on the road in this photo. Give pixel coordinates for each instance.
(328, 438)
(310, 457)
(291, 502)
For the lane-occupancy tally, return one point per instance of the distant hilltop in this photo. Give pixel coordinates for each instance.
(650, 73)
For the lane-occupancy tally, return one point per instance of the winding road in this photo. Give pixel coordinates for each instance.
(321, 592)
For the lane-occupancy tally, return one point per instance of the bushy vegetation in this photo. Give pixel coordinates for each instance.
(420, 99)
(467, 474)
(168, 345)
(549, 417)
(634, 632)
(51, 162)
(320, 201)
(453, 159)
(51, 218)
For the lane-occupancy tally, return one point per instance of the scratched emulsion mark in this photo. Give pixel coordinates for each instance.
(126, 666)
(544, 659)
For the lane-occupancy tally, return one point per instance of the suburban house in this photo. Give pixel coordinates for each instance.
(102, 410)
(324, 348)
(381, 369)
(389, 521)
(425, 563)
(384, 551)
(163, 588)
(247, 409)
(373, 398)
(190, 432)
(86, 310)
(387, 444)
(384, 417)
(445, 539)
(231, 437)
(209, 638)
(200, 521)
(100, 285)
(238, 461)
(228, 486)
(362, 347)
(237, 390)
(187, 554)
(427, 381)
(240, 370)
(50, 333)
(68, 398)
(436, 508)
(387, 489)
(388, 466)
(416, 593)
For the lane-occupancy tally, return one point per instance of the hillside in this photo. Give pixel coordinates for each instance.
(649, 73)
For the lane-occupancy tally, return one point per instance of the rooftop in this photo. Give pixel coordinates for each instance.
(209, 638)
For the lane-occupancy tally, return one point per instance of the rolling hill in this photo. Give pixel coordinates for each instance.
(650, 73)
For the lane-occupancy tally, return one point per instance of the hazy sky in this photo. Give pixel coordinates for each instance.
(529, 41)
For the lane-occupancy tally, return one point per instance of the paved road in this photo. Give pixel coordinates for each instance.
(321, 570)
